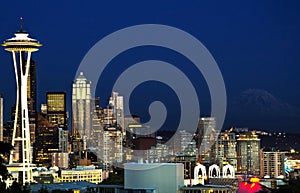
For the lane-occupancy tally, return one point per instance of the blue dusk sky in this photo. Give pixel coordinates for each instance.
(256, 45)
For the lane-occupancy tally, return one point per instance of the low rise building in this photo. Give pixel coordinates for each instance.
(81, 173)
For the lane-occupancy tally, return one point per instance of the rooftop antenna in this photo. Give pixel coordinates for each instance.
(21, 24)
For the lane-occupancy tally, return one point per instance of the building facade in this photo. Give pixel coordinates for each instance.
(61, 160)
(272, 164)
(47, 141)
(248, 156)
(166, 177)
(31, 99)
(207, 135)
(225, 148)
(81, 107)
(56, 109)
(117, 102)
(112, 152)
(81, 173)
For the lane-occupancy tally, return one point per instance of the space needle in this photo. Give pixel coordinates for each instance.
(21, 47)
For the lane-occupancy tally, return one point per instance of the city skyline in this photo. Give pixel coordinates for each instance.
(260, 54)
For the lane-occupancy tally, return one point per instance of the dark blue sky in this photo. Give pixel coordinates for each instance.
(255, 43)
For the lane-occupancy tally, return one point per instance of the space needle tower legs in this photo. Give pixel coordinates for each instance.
(21, 47)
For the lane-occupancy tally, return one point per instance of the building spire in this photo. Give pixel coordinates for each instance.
(21, 24)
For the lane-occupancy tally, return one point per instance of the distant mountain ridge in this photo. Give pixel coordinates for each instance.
(262, 102)
(259, 109)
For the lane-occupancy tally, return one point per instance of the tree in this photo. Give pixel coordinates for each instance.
(15, 187)
(3, 187)
(116, 177)
(5, 149)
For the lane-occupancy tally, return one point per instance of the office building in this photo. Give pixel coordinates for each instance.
(47, 141)
(117, 103)
(31, 99)
(95, 140)
(225, 149)
(159, 153)
(207, 135)
(248, 156)
(56, 109)
(272, 164)
(187, 144)
(112, 146)
(61, 160)
(81, 107)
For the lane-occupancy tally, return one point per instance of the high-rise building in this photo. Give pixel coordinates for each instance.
(1, 118)
(47, 141)
(112, 146)
(56, 109)
(31, 99)
(117, 103)
(248, 159)
(97, 131)
(272, 164)
(207, 135)
(225, 148)
(81, 106)
(50, 139)
(186, 143)
(21, 45)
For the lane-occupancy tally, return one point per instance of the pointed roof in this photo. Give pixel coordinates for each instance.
(81, 76)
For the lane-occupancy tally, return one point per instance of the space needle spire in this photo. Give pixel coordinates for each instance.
(21, 24)
(21, 47)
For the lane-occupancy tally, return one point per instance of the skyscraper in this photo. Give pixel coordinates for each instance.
(57, 116)
(117, 103)
(47, 141)
(225, 148)
(207, 136)
(113, 132)
(112, 146)
(31, 99)
(1, 118)
(56, 109)
(81, 106)
(248, 160)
